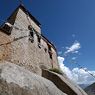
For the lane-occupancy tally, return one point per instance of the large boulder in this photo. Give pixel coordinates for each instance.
(15, 80)
(63, 83)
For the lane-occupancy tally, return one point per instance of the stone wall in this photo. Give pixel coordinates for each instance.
(23, 52)
(5, 49)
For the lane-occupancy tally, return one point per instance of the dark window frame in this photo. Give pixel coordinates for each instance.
(49, 51)
(7, 28)
(31, 34)
(39, 40)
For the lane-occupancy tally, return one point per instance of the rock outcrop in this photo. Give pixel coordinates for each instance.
(15, 80)
(63, 83)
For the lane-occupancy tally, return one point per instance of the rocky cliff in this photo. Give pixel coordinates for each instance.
(63, 83)
(15, 80)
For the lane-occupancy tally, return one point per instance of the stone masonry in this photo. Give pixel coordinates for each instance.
(31, 55)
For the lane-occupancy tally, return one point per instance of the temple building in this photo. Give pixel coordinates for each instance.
(22, 43)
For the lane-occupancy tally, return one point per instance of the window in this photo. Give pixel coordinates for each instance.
(31, 34)
(45, 49)
(7, 27)
(50, 56)
(50, 51)
(30, 27)
(31, 38)
(39, 40)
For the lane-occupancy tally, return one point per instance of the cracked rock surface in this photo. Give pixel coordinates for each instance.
(15, 80)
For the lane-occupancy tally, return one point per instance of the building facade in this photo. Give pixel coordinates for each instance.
(22, 43)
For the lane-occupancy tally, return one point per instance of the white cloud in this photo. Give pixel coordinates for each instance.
(65, 69)
(83, 77)
(76, 74)
(67, 47)
(60, 52)
(74, 58)
(76, 52)
(73, 48)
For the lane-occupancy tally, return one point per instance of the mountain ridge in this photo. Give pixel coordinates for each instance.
(90, 90)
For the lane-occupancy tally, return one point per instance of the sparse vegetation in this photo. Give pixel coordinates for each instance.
(56, 71)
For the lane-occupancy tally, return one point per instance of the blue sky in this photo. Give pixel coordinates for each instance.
(63, 23)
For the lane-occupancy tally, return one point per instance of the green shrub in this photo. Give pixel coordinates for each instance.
(56, 70)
